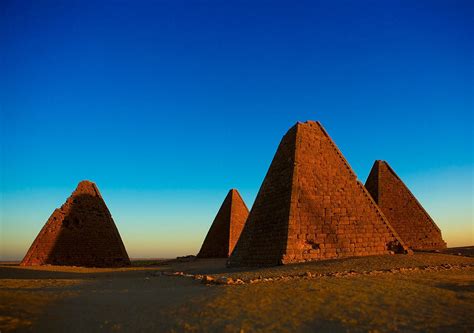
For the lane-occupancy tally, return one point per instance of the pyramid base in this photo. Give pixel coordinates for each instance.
(307, 257)
(430, 248)
(116, 264)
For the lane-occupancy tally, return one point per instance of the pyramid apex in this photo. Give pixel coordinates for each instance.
(311, 124)
(87, 187)
(376, 167)
(379, 163)
(234, 194)
(86, 182)
(307, 123)
(234, 191)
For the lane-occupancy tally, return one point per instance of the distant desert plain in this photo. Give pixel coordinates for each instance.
(423, 292)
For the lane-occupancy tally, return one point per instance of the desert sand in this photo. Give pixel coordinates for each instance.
(421, 292)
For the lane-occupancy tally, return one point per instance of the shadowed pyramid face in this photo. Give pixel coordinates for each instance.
(402, 209)
(80, 233)
(226, 227)
(311, 206)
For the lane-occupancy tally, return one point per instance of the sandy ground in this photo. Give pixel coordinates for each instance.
(419, 293)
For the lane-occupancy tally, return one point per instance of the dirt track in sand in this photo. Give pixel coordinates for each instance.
(58, 299)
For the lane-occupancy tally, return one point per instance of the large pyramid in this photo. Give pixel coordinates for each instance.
(311, 206)
(80, 233)
(226, 227)
(405, 213)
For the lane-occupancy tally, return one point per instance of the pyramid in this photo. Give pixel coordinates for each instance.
(80, 233)
(402, 209)
(311, 206)
(226, 227)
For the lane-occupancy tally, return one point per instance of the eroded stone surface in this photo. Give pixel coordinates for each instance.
(80, 233)
(226, 227)
(311, 206)
(414, 225)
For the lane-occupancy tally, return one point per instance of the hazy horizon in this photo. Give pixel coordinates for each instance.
(147, 220)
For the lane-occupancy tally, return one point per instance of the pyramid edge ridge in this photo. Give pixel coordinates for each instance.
(420, 206)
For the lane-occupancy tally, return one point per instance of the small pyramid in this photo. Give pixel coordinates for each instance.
(402, 209)
(226, 227)
(80, 233)
(311, 206)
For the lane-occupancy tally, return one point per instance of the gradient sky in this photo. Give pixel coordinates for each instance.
(166, 105)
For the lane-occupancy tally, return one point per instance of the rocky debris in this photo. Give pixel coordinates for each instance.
(207, 279)
(223, 280)
(186, 258)
(239, 281)
(308, 274)
(174, 274)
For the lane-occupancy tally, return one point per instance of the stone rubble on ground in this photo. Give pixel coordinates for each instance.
(223, 280)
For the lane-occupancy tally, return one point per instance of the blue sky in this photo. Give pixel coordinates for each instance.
(166, 105)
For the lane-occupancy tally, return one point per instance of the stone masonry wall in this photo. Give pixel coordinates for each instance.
(405, 213)
(80, 233)
(238, 218)
(263, 239)
(311, 207)
(331, 213)
(226, 227)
